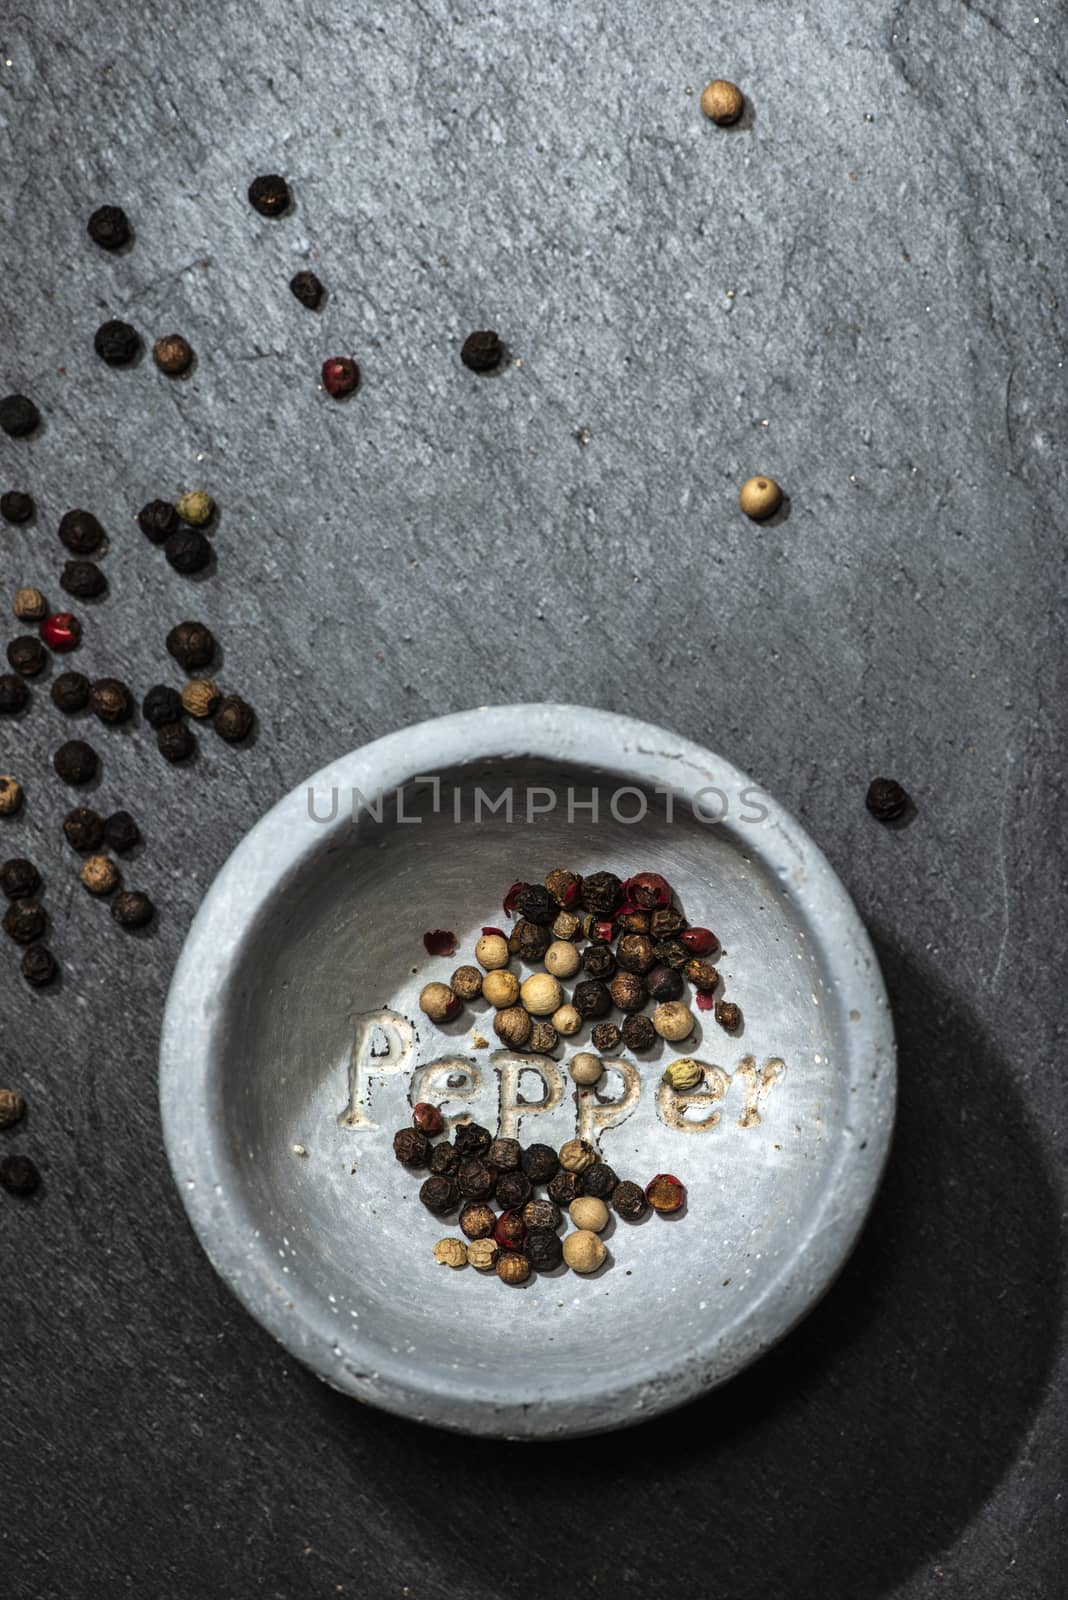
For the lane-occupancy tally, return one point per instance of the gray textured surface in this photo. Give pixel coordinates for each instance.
(443, 541)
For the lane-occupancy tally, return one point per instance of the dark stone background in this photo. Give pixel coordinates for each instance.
(893, 352)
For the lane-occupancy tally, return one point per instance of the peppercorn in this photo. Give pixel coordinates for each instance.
(100, 875)
(80, 532)
(500, 988)
(18, 416)
(591, 999)
(536, 904)
(566, 1020)
(477, 1220)
(664, 983)
(472, 1139)
(541, 994)
(665, 1193)
(109, 227)
(599, 1181)
(83, 579)
(589, 1212)
(61, 632)
(116, 343)
(450, 1253)
(665, 921)
(121, 832)
(513, 1190)
(482, 1254)
(75, 761)
(701, 974)
(475, 1180)
(83, 828)
(38, 966)
(158, 520)
(638, 1033)
(543, 1249)
(886, 799)
(482, 351)
(634, 952)
(234, 718)
(629, 1202)
(172, 354)
(512, 1026)
(728, 1015)
(598, 960)
(566, 925)
(19, 1175)
(29, 605)
(12, 1108)
(564, 886)
(583, 1251)
(601, 893)
(605, 1036)
(541, 1215)
(111, 701)
(685, 1073)
(19, 878)
(308, 289)
(504, 1154)
(10, 796)
(427, 1118)
(722, 102)
(16, 507)
(647, 890)
(437, 1001)
(438, 1192)
(510, 1230)
(197, 507)
(411, 1147)
(132, 909)
(513, 1268)
(269, 195)
(24, 920)
(577, 1155)
(564, 1186)
(491, 951)
(586, 1069)
(628, 991)
(187, 551)
(466, 982)
(760, 498)
(161, 705)
(670, 953)
(562, 960)
(27, 655)
(445, 1160)
(540, 1162)
(634, 922)
(175, 742)
(673, 1020)
(529, 941)
(70, 691)
(340, 375)
(13, 694)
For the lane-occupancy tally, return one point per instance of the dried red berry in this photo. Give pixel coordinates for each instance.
(665, 1193)
(498, 931)
(647, 891)
(699, 941)
(440, 943)
(427, 1118)
(511, 899)
(705, 1002)
(510, 1231)
(61, 631)
(340, 376)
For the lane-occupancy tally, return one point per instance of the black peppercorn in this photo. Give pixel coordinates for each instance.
(543, 1249)
(38, 966)
(482, 351)
(639, 1033)
(176, 742)
(591, 999)
(75, 762)
(670, 953)
(116, 343)
(234, 718)
(18, 1175)
(161, 705)
(109, 227)
(701, 974)
(187, 550)
(728, 1015)
(598, 961)
(666, 921)
(477, 1219)
(605, 1036)
(111, 701)
(565, 1187)
(158, 520)
(16, 507)
(27, 655)
(269, 195)
(84, 829)
(633, 922)
(472, 1139)
(13, 694)
(70, 691)
(191, 644)
(540, 1162)
(664, 983)
(121, 832)
(542, 1214)
(24, 920)
(445, 1160)
(629, 1202)
(476, 1181)
(84, 579)
(599, 1180)
(886, 799)
(504, 1154)
(634, 952)
(80, 532)
(19, 878)
(513, 1190)
(565, 886)
(529, 941)
(439, 1194)
(307, 288)
(601, 893)
(132, 909)
(18, 416)
(536, 904)
(628, 992)
(411, 1148)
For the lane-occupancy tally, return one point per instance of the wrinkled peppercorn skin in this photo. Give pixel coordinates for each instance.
(701, 974)
(529, 940)
(445, 1160)
(666, 921)
(439, 1193)
(542, 1214)
(27, 655)
(472, 1139)
(109, 227)
(269, 195)
(75, 762)
(80, 532)
(158, 520)
(39, 966)
(598, 961)
(601, 893)
(536, 904)
(628, 992)
(476, 1181)
(565, 1187)
(728, 1015)
(670, 953)
(117, 343)
(504, 1154)
(24, 921)
(411, 1148)
(176, 742)
(111, 701)
(543, 1249)
(635, 952)
(513, 1190)
(70, 691)
(477, 1220)
(591, 999)
(605, 1036)
(84, 829)
(540, 1162)
(233, 720)
(191, 644)
(599, 1181)
(639, 1033)
(19, 878)
(187, 550)
(308, 289)
(161, 705)
(886, 799)
(629, 1202)
(482, 351)
(83, 579)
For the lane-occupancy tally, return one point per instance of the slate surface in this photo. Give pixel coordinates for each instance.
(856, 291)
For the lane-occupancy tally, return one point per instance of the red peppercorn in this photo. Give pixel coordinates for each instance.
(665, 1193)
(510, 1231)
(511, 899)
(699, 941)
(61, 631)
(340, 376)
(427, 1118)
(647, 890)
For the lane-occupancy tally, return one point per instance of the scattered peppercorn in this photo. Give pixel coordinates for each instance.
(445, 1160)
(664, 983)
(427, 1118)
(513, 1026)
(665, 1193)
(38, 966)
(100, 875)
(18, 416)
(583, 1251)
(698, 941)
(121, 832)
(12, 1108)
(634, 952)
(886, 799)
(233, 720)
(29, 605)
(308, 289)
(61, 632)
(529, 940)
(542, 1214)
(80, 532)
(19, 878)
(482, 351)
(70, 691)
(191, 644)
(172, 354)
(450, 1253)
(16, 507)
(475, 1180)
(543, 1249)
(685, 1073)
(586, 1069)
(760, 498)
(491, 951)
(466, 982)
(633, 921)
(599, 961)
(132, 909)
(477, 1220)
(18, 1175)
(411, 1147)
(564, 886)
(161, 705)
(599, 1181)
(589, 1212)
(111, 701)
(701, 974)
(175, 742)
(513, 1190)
(437, 1001)
(482, 1254)
(158, 520)
(24, 921)
(117, 343)
(340, 375)
(639, 1033)
(187, 551)
(83, 579)
(75, 761)
(13, 694)
(722, 102)
(510, 1230)
(629, 1202)
(83, 828)
(628, 991)
(563, 1187)
(566, 1020)
(728, 1015)
(269, 195)
(670, 953)
(472, 1139)
(673, 1020)
(109, 227)
(10, 796)
(540, 1162)
(504, 1154)
(27, 655)
(196, 507)
(512, 1268)
(536, 904)
(666, 921)
(577, 1155)
(605, 1036)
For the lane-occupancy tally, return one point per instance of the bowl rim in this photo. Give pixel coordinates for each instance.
(195, 1140)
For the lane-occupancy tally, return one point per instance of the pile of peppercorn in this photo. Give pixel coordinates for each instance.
(474, 1169)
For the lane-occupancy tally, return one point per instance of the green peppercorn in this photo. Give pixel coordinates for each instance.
(685, 1073)
(577, 1155)
(197, 507)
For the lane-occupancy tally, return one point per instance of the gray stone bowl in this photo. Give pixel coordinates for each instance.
(293, 1047)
